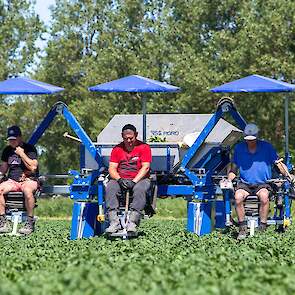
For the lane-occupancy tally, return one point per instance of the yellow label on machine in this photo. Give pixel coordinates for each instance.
(100, 218)
(287, 222)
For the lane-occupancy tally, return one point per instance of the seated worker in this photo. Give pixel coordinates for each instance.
(129, 169)
(254, 159)
(19, 159)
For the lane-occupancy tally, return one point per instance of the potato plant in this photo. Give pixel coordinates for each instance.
(165, 259)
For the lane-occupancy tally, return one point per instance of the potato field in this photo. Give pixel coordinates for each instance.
(165, 259)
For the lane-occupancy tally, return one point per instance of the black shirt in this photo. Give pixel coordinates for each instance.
(15, 164)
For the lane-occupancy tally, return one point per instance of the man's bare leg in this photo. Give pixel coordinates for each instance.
(240, 196)
(29, 187)
(5, 187)
(263, 195)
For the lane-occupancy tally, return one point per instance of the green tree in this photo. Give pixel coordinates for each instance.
(192, 44)
(20, 27)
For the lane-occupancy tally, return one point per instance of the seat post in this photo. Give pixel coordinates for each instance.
(16, 218)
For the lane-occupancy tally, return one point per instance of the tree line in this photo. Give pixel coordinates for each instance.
(195, 45)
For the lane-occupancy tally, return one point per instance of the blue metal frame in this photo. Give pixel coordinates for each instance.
(199, 188)
(202, 186)
(84, 187)
(225, 107)
(61, 108)
(82, 156)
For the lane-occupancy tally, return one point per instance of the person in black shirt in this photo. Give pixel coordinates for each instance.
(19, 160)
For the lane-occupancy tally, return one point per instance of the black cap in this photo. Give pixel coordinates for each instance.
(13, 132)
(129, 127)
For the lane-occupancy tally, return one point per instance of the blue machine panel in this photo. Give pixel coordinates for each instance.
(199, 218)
(84, 222)
(220, 217)
(168, 190)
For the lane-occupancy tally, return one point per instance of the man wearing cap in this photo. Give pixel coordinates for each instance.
(129, 169)
(254, 159)
(19, 159)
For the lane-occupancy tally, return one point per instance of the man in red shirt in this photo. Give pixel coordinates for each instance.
(129, 169)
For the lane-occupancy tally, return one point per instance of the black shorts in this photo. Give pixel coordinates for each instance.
(252, 189)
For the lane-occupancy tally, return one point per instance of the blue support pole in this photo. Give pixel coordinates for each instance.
(168, 158)
(82, 156)
(100, 192)
(201, 138)
(199, 218)
(84, 223)
(43, 126)
(82, 135)
(227, 196)
(238, 118)
(287, 206)
(219, 214)
(61, 108)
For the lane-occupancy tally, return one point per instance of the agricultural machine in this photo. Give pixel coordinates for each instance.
(190, 164)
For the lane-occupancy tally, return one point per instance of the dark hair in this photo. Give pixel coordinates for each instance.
(129, 127)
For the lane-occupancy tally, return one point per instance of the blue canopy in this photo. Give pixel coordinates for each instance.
(22, 85)
(255, 83)
(134, 83)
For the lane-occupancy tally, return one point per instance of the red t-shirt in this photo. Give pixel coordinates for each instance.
(131, 162)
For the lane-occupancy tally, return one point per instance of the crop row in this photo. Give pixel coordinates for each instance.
(165, 259)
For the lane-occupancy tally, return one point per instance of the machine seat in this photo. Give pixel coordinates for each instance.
(16, 210)
(251, 205)
(16, 201)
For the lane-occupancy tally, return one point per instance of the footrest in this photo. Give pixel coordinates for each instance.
(123, 234)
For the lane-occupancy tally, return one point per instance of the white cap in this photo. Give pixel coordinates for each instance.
(251, 132)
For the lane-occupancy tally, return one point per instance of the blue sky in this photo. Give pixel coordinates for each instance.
(42, 8)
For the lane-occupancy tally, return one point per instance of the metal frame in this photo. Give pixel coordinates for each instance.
(62, 109)
(202, 186)
(195, 183)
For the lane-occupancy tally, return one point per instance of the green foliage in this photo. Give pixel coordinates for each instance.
(165, 259)
(61, 207)
(20, 27)
(171, 208)
(192, 44)
(157, 138)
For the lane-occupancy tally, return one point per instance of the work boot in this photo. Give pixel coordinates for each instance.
(134, 219)
(262, 227)
(243, 231)
(28, 227)
(114, 222)
(5, 226)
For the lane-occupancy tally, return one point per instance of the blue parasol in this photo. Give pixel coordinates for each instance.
(136, 83)
(22, 85)
(257, 83)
